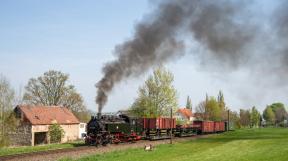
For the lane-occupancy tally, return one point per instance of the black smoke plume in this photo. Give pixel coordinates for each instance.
(155, 42)
(222, 27)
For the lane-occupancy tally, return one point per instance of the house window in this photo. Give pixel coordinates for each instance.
(82, 126)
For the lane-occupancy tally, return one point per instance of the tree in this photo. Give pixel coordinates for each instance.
(202, 113)
(56, 133)
(245, 117)
(255, 117)
(189, 103)
(279, 112)
(222, 105)
(234, 120)
(209, 109)
(157, 96)
(51, 89)
(8, 121)
(213, 110)
(269, 116)
(280, 115)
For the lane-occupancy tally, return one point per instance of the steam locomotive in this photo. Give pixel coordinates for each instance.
(105, 129)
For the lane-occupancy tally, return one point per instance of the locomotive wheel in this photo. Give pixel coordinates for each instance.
(99, 141)
(133, 140)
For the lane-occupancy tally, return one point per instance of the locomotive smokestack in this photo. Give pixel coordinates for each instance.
(99, 115)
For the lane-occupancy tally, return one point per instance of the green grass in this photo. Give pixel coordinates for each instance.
(270, 144)
(29, 149)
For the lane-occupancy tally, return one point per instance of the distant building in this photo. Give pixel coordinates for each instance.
(184, 114)
(35, 122)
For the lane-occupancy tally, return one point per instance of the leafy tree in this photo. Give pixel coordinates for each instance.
(56, 133)
(189, 103)
(255, 117)
(269, 115)
(52, 89)
(157, 96)
(222, 105)
(209, 109)
(279, 112)
(7, 119)
(213, 110)
(245, 117)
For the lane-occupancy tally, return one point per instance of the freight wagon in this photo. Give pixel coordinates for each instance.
(158, 128)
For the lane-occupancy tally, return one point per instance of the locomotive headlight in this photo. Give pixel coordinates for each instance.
(117, 127)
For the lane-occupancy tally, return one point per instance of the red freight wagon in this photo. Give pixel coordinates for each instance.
(158, 128)
(208, 127)
(222, 126)
(159, 123)
(219, 126)
(204, 126)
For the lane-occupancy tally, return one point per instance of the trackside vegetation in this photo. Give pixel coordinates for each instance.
(29, 149)
(262, 144)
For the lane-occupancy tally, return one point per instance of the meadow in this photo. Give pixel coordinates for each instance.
(29, 149)
(263, 144)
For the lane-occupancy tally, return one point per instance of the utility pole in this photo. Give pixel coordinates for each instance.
(228, 123)
(171, 120)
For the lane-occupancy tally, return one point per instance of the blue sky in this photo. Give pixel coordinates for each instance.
(78, 37)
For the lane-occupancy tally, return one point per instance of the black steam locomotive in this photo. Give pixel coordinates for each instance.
(105, 129)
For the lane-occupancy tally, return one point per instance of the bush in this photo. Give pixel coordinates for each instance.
(4, 141)
(56, 133)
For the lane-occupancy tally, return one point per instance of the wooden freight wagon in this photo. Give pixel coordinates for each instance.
(158, 128)
(204, 126)
(219, 126)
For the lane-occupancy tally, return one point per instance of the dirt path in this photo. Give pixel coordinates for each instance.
(88, 150)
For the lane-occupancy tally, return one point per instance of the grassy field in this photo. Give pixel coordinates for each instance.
(29, 149)
(270, 144)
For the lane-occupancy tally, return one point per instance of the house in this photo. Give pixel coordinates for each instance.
(82, 129)
(184, 114)
(34, 122)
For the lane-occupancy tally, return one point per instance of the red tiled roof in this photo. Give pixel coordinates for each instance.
(43, 115)
(185, 112)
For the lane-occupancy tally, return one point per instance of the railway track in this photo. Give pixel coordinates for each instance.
(77, 152)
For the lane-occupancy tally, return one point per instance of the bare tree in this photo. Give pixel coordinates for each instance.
(280, 115)
(245, 117)
(6, 106)
(52, 89)
(201, 111)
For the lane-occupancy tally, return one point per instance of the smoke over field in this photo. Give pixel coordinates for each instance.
(222, 27)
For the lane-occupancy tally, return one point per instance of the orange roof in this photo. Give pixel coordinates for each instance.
(43, 115)
(185, 112)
